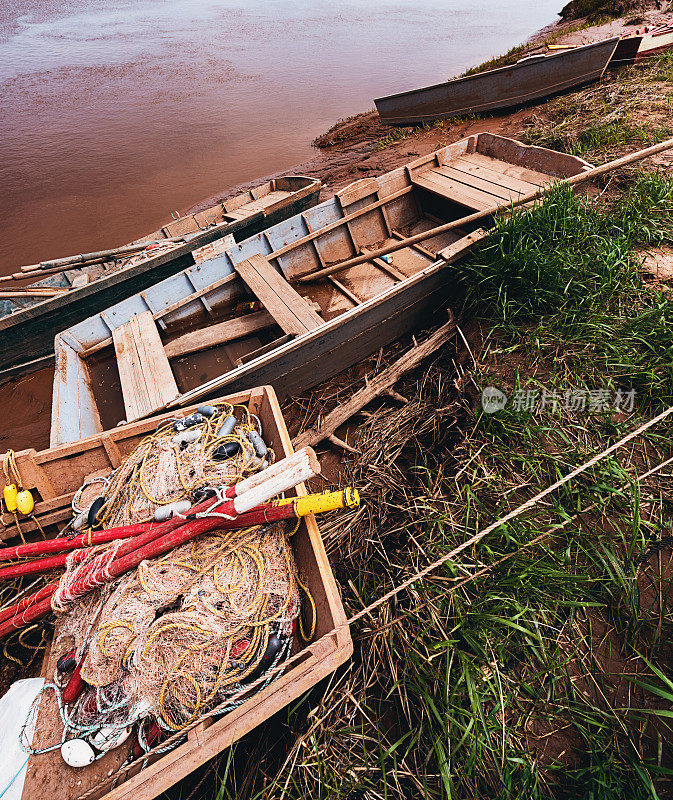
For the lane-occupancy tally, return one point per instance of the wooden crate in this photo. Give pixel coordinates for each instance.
(66, 467)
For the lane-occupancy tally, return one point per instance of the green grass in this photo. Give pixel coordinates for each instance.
(567, 273)
(597, 10)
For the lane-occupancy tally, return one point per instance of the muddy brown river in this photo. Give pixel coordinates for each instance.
(113, 116)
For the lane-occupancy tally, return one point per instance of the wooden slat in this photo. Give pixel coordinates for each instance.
(146, 377)
(512, 170)
(493, 175)
(450, 189)
(286, 306)
(499, 189)
(217, 334)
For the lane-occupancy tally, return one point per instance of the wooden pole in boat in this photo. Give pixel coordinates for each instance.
(487, 212)
(83, 258)
(41, 273)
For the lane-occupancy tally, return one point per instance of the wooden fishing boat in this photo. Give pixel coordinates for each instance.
(53, 476)
(641, 46)
(533, 78)
(187, 338)
(28, 326)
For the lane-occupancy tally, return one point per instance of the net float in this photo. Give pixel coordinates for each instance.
(258, 444)
(227, 426)
(77, 753)
(207, 411)
(203, 493)
(151, 737)
(24, 502)
(75, 685)
(274, 646)
(186, 437)
(107, 738)
(67, 662)
(225, 451)
(188, 422)
(81, 520)
(92, 514)
(9, 493)
(163, 513)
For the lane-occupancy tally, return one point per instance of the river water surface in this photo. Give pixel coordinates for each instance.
(113, 114)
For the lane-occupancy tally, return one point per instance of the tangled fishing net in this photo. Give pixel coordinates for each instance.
(193, 625)
(158, 472)
(175, 637)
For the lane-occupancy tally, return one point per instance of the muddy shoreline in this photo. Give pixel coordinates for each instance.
(361, 147)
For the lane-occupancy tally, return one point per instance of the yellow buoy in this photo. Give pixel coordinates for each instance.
(24, 502)
(10, 493)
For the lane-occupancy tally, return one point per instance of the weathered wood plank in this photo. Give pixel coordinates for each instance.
(499, 189)
(441, 185)
(494, 176)
(285, 304)
(145, 374)
(510, 170)
(220, 333)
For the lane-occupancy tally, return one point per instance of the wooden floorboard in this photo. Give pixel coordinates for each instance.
(512, 170)
(493, 175)
(217, 334)
(499, 189)
(146, 377)
(457, 192)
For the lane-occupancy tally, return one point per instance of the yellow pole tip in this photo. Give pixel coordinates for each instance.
(351, 497)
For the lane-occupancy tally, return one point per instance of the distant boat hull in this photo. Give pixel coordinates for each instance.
(520, 83)
(639, 48)
(27, 335)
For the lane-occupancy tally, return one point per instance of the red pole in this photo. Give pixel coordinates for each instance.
(101, 537)
(36, 607)
(20, 607)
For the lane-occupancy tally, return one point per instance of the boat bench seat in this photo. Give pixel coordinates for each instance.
(254, 206)
(146, 377)
(479, 182)
(291, 311)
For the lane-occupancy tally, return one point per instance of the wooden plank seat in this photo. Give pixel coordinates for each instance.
(219, 333)
(146, 377)
(479, 182)
(256, 205)
(291, 311)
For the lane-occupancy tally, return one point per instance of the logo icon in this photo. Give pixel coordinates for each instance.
(492, 400)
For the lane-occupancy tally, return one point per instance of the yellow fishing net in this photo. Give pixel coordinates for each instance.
(180, 632)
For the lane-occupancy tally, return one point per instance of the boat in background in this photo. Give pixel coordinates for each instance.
(642, 45)
(531, 78)
(236, 320)
(28, 326)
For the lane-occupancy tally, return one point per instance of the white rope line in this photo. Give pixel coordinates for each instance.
(512, 514)
(533, 501)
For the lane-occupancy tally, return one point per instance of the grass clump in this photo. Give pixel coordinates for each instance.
(598, 9)
(630, 107)
(568, 273)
